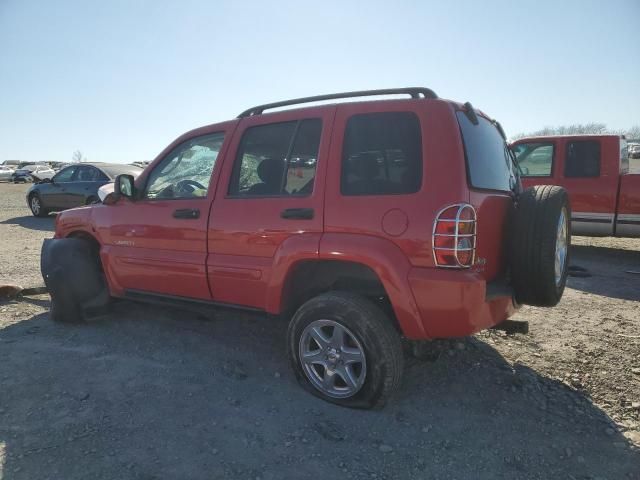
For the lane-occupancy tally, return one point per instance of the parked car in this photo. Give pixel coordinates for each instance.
(6, 172)
(594, 169)
(11, 163)
(358, 249)
(74, 186)
(32, 173)
(634, 150)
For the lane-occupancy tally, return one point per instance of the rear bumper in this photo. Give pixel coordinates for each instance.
(458, 303)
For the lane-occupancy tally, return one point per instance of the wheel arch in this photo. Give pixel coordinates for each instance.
(371, 266)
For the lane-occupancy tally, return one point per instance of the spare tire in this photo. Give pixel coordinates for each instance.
(540, 245)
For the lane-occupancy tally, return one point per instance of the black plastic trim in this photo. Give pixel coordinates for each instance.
(174, 300)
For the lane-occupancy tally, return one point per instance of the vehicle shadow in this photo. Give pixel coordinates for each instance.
(606, 271)
(147, 392)
(45, 224)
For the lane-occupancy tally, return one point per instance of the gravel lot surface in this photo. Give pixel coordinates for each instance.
(151, 393)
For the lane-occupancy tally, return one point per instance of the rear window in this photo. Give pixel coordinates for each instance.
(583, 159)
(382, 154)
(488, 160)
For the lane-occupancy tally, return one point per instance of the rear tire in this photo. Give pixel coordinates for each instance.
(540, 245)
(367, 330)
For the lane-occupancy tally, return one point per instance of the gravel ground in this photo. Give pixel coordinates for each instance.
(150, 393)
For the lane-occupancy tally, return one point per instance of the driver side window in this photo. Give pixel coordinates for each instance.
(186, 171)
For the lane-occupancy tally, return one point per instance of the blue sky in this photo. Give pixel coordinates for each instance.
(119, 80)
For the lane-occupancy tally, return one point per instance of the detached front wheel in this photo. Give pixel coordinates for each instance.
(344, 349)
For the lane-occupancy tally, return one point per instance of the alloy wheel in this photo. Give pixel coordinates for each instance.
(332, 358)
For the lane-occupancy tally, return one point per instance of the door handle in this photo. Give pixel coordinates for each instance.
(187, 213)
(297, 213)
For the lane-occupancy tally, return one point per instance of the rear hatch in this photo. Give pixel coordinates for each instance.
(492, 180)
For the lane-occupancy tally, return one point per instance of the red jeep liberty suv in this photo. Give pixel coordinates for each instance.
(362, 222)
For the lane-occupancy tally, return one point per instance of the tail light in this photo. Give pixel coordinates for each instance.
(454, 236)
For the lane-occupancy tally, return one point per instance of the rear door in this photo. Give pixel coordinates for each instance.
(269, 203)
(85, 185)
(590, 173)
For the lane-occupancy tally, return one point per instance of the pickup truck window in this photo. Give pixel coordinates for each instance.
(382, 154)
(277, 159)
(488, 159)
(534, 159)
(186, 171)
(583, 159)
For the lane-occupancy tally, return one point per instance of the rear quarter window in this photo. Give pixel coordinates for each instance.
(582, 159)
(488, 160)
(382, 154)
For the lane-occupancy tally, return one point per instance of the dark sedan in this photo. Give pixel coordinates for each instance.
(74, 186)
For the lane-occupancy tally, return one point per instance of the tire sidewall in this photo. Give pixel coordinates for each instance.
(533, 245)
(352, 318)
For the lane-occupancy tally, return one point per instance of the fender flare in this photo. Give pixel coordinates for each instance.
(383, 257)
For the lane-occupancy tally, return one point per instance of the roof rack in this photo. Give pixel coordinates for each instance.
(415, 92)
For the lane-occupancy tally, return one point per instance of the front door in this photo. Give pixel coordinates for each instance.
(269, 204)
(158, 243)
(57, 195)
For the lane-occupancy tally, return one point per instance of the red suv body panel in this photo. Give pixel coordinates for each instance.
(241, 251)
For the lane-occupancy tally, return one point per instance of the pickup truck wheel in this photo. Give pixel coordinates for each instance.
(540, 248)
(344, 349)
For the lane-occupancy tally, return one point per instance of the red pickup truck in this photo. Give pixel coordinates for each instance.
(594, 169)
(360, 223)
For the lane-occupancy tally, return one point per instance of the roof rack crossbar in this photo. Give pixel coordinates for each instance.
(414, 92)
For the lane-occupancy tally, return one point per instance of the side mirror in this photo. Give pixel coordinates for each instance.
(124, 186)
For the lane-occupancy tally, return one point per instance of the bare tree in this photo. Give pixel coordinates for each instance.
(633, 133)
(581, 129)
(77, 157)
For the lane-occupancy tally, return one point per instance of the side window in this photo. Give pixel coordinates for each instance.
(583, 159)
(534, 159)
(277, 159)
(382, 154)
(186, 171)
(87, 174)
(64, 175)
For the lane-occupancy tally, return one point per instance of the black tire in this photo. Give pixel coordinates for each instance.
(73, 275)
(373, 330)
(533, 250)
(37, 212)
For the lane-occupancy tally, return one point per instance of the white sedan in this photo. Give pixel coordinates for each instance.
(5, 173)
